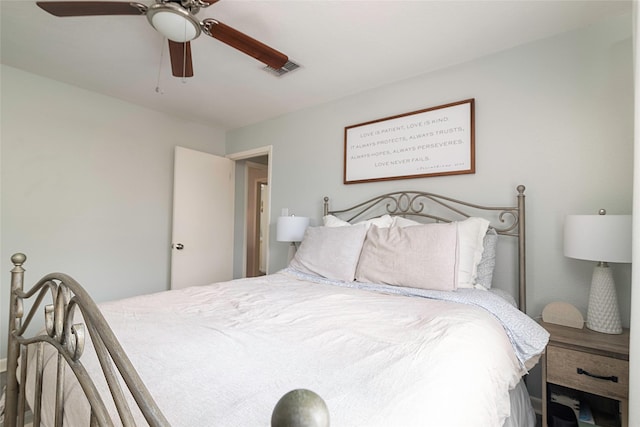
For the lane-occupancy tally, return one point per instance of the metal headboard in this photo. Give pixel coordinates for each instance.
(507, 221)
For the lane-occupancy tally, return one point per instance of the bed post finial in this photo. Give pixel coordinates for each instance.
(520, 189)
(18, 259)
(325, 209)
(300, 408)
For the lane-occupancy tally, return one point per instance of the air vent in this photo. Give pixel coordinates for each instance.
(286, 68)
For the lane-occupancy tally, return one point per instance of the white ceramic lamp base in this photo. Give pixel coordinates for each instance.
(603, 314)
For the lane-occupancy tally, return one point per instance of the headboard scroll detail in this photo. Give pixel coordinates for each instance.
(434, 207)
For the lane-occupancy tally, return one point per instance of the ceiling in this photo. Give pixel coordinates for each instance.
(343, 47)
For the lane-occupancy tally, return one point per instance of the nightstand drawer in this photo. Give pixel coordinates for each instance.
(564, 367)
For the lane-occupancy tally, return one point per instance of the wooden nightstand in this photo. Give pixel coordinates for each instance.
(589, 362)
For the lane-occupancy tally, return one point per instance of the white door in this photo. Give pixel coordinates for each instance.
(202, 236)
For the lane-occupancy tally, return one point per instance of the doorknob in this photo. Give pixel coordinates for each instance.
(179, 246)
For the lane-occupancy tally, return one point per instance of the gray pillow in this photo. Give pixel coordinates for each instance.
(488, 261)
(330, 252)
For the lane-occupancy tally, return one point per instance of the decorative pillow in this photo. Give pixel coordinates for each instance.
(471, 234)
(421, 256)
(381, 221)
(488, 261)
(471, 237)
(330, 252)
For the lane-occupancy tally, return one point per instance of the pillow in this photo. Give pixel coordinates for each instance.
(471, 237)
(401, 221)
(330, 252)
(382, 221)
(488, 260)
(332, 221)
(471, 234)
(422, 256)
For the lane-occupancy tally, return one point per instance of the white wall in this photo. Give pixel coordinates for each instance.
(87, 186)
(555, 115)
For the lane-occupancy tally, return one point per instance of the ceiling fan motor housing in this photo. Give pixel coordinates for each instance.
(173, 21)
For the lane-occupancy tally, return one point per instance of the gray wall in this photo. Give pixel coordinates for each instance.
(555, 115)
(86, 186)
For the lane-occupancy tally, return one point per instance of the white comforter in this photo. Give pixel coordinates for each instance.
(223, 355)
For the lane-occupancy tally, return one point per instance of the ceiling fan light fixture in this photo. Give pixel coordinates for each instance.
(173, 22)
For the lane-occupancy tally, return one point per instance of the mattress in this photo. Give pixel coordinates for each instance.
(223, 354)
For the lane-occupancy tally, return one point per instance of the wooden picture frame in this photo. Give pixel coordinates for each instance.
(435, 141)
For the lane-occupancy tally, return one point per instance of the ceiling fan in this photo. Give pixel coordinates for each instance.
(176, 20)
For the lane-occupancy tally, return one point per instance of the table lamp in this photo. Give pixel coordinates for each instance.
(291, 229)
(604, 239)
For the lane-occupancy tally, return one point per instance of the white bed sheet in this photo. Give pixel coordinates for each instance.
(522, 412)
(224, 354)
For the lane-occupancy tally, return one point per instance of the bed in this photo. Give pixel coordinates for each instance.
(387, 311)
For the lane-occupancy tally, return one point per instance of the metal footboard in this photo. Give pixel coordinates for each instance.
(61, 296)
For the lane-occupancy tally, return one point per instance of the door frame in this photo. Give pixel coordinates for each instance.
(244, 155)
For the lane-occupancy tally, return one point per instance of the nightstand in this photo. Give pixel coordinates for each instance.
(590, 363)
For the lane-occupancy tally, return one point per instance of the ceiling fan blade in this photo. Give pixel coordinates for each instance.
(244, 43)
(180, 54)
(90, 8)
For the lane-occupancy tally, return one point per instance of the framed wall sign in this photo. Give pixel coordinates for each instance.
(432, 142)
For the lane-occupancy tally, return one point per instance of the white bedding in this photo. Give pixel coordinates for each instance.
(224, 354)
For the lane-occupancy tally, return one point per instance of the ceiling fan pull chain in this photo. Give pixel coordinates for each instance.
(184, 56)
(158, 90)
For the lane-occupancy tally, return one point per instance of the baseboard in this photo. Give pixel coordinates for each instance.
(3, 365)
(536, 402)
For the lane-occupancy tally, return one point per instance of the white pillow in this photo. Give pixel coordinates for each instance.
(332, 221)
(381, 221)
(421, 256)
(471, 234)
(330, 252)
(401, 221)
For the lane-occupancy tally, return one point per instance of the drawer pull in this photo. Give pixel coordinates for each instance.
(612, 378)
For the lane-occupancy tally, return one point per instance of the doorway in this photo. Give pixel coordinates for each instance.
(253, 200)
(256, 221)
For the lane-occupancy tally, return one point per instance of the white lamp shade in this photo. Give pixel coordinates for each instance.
(291, 228)
(602, 238)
